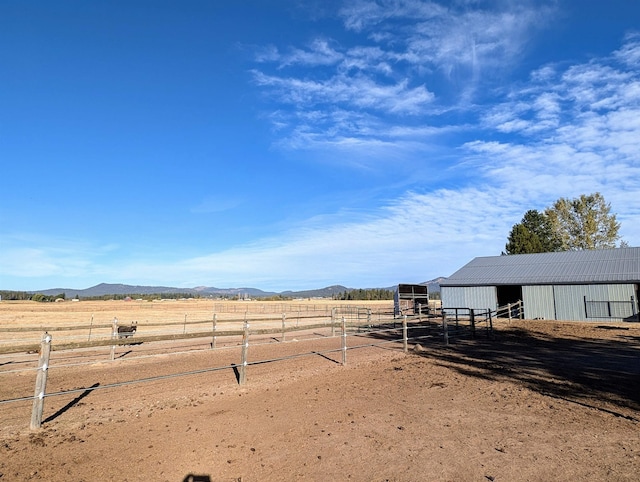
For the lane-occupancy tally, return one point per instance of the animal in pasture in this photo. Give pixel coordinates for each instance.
(127, 331)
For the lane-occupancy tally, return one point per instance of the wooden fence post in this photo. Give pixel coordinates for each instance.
(41, 382)
(490, 324)
(284, 319)
(184, 329)
(243, 360)
(90, 327)
(405, 339)
(114, 335)
(215, 326)
(333, 322)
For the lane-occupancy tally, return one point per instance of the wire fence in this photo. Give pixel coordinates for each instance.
(374, 329)
(365, 327)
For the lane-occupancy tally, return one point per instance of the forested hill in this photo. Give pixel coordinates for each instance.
(121, 290)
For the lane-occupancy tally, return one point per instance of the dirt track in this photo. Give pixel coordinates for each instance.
(542, 401)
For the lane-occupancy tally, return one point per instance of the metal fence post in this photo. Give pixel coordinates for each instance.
(445, 328)
(243, 359)
(41, 382)
(405, 339)
(472, 318)
(344, 341)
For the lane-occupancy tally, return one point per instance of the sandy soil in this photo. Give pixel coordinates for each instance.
(541, 401)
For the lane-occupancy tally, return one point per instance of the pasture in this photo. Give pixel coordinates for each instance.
(539, 401)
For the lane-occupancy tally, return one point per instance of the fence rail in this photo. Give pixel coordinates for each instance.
(372, 328)
(625, 310)
(389, 332)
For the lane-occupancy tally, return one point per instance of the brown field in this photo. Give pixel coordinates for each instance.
(540, 401)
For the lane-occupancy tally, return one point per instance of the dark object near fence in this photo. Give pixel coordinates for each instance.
(127, 331)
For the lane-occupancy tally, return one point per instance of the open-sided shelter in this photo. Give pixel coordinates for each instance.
(589, 285)
(410, 298)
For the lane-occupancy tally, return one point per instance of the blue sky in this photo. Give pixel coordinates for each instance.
(299, 144)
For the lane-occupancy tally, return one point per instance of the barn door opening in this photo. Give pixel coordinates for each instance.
(508, 294)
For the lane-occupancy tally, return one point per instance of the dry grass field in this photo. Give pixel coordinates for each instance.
(540, 401)
(93, 320)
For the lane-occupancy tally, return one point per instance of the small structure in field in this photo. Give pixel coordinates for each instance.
(410, 298)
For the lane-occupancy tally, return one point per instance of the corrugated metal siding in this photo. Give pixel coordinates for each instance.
(452, 297)
(620, 292)
(620, 265)
(538, 302)
(570, 298)
(477, 297)
(570, 301)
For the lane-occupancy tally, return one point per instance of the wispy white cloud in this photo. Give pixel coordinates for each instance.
(363, 14)
(358, 92)
(578, 131)
(411, 53)
(630, 51)
(565, 131)
(319, 53)
(415, 231)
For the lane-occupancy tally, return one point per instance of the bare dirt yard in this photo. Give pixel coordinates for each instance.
(542, 400)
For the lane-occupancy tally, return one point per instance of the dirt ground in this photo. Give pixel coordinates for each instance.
(541, 400)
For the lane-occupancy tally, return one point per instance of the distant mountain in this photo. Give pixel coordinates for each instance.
(104, 289)
(434, 284)
(327, 292)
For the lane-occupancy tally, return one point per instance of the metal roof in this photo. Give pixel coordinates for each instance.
(620, 265)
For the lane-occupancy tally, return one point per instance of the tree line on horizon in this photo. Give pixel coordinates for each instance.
(354, 294)
(26, 296)
(364, 294)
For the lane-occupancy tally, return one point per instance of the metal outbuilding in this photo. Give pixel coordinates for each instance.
(589, 285)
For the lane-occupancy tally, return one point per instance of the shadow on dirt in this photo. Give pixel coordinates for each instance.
(601, 373)
(197, 478)
(598, 373)
(72, 403)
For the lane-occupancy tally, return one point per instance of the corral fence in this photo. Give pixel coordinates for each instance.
(625, 310)
(355, 327)
(466, 322)
(61, 347)
(510, 311)
(471, 322)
